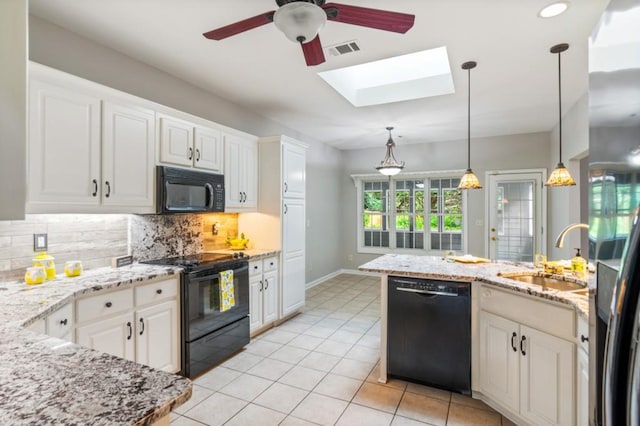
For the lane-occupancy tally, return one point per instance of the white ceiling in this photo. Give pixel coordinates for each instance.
(514, 87)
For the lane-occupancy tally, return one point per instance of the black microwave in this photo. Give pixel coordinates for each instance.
(188, 191)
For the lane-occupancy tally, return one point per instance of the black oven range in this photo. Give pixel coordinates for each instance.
(214, 308)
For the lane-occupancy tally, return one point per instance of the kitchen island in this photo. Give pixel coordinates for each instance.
(46, 380)
(524, 337)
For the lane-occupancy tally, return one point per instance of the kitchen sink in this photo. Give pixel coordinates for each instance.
(547, 282)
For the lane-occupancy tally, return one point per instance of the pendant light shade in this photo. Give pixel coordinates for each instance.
(469, 179)
(560, 176)
(390, 166)
(300, 21)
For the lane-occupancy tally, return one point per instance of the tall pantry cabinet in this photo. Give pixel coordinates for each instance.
(280, 223)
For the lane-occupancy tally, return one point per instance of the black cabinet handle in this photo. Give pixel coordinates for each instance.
(524, 338)
(63, 322)
(286, 209)
(130, 330)
(286, 187)
(583, 338)
(190, 153)
(108, 304)
(197, 154)
(267, 282)
(255, 267)
(271, 263)
(513, 344)
(159, 291)
(142, 324)
(95, 188)
(261, 285)
(108, 189)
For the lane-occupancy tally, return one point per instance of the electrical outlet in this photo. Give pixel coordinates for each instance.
(40, 242)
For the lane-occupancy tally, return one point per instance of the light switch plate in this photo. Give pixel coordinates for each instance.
(40, 242)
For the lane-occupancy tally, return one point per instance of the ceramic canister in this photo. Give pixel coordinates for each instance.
(35, 275)
(46, 261)
(72, 268)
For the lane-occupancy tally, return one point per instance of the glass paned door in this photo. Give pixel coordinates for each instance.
(515, 216)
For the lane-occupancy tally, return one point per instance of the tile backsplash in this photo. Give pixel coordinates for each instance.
(95, 239)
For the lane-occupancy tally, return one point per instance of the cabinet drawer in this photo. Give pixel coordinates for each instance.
(156, 291)
(583, 332)
(60, 323)
(270, 264)
(104, 305)
(255, 268)
(541, 315)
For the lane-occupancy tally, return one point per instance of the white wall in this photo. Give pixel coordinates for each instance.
(58, 48)
(13, 110)
(564, 202)
(526, 151)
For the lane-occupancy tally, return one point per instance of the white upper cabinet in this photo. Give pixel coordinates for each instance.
(88, 151)
(64, 147)
(183, 143)
(241, 173)
(293, 171)
(128, 139)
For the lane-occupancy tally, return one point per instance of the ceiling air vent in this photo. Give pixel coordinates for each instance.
(343, 48)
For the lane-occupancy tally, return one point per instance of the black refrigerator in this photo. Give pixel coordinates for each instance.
(614, 232)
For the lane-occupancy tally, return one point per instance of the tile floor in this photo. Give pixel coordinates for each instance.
(321, 368)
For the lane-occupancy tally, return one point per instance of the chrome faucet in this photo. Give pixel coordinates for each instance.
(560, 239)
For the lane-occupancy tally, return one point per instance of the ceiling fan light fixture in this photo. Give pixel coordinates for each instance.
(469, 180)
(560, 176)
(390, 166)
(300, 21)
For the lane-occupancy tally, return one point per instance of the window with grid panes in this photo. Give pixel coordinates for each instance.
(395, 214)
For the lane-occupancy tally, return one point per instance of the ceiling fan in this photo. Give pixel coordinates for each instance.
(301, 20)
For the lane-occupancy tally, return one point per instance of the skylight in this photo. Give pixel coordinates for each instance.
(401, 78)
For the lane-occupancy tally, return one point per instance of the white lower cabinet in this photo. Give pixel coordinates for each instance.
(60, 323)
(582, 374)
(263, 294)
(140, 325)
(529, 372)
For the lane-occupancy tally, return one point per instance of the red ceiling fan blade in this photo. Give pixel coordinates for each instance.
(372, 18)
(240, 26)
(313, 53)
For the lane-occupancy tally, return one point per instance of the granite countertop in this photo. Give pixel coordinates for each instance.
(437, 268)
(44, 380)
(250, 254)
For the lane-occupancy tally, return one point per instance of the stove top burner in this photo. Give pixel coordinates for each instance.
(193, 261)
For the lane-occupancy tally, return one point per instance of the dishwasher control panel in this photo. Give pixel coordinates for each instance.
(431, 286)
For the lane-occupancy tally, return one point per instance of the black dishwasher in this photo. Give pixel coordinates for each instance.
(429, 332)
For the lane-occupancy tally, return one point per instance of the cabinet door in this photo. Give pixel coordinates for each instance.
(255, 302)
(157, 337)
(114, 336)
(176, 141)
(64, 147)
(582, 397)
(547, 373)
(292, 288)
(128, 141)
(60, 323)
(250, 170)
(293, 171)
(293, 227)
(208, 149)
(269, 297)
(499, 362)
(233, 176)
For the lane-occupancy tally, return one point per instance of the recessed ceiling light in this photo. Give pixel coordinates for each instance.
(554, 9)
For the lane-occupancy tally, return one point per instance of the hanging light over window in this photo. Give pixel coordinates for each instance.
(390, 166)
(469, 179)
(560, 176)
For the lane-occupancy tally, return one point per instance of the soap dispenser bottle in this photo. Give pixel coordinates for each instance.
(579, 266)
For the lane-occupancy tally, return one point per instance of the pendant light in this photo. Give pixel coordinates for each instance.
(560, 176)
(469, 179)
(390, 166)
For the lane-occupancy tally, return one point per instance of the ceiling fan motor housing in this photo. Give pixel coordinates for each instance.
(316, 2)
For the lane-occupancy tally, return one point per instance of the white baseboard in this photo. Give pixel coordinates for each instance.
(339, 272)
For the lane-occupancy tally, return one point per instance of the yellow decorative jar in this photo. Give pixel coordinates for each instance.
(46, 261)
(72, 268)
(35, 275)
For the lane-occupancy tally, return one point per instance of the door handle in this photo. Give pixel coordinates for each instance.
(63, 322)
(190, 153)
(130, 330)
(95, 188)
(197, 154)
(108, 189)
(209, 188)
(267, 284)
(142, 324)
(494, 239)
(261, 285)
(513, 345)
(524, 338)
(583, 338)
(286, 209)
(434, 293)
(286, 187)
(493, 229)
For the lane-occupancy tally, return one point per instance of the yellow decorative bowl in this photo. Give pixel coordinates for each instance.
(35, 275)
